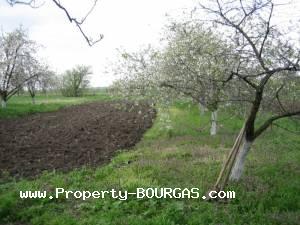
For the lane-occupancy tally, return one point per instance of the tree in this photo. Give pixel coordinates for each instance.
(75, 81)
(264, 54)
(42, 78)
(48, 81)
(32, 86)
(137, 73)
(16, 51)
(196, 63)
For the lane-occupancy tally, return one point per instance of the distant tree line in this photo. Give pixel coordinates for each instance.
(21, 69)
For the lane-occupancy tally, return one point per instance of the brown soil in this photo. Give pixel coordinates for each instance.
(79, 135)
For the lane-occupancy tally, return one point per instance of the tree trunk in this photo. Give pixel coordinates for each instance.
(3, 103)
(201, 109)
(239, 163)
(3, 98)
(213, 129)
(33, 100)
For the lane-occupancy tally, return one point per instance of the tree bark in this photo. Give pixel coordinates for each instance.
(213, 129)
(239, 162)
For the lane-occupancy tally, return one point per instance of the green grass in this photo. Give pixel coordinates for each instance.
(173, 153)
(22, 105)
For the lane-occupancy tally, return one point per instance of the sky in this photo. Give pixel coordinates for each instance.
(128, 24)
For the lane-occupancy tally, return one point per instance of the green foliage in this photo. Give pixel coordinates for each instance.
(75, 81)
(268, 193)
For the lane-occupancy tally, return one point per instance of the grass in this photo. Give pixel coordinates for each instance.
(173, 153)
(22, 105)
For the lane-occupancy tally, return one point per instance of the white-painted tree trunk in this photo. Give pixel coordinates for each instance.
(238, 166)
(3, 103)
(33, 100)
(213, 128)
(201, 109)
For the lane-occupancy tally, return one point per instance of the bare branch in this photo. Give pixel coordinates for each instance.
(15, 90)
(33, 4)
(78, 24)
(229, 22)
(267, 30)
(288, 130)
(278, 100)
(253, 85)
(263, 127)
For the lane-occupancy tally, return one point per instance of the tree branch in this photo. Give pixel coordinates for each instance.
(244, 78)
(263, 127)
(78, 24)
(267, 31)
(15, 90)
(32, 3)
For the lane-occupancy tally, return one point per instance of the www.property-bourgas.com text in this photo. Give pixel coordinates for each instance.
(140, 193)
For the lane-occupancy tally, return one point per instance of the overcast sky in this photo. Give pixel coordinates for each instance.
(124, 23)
